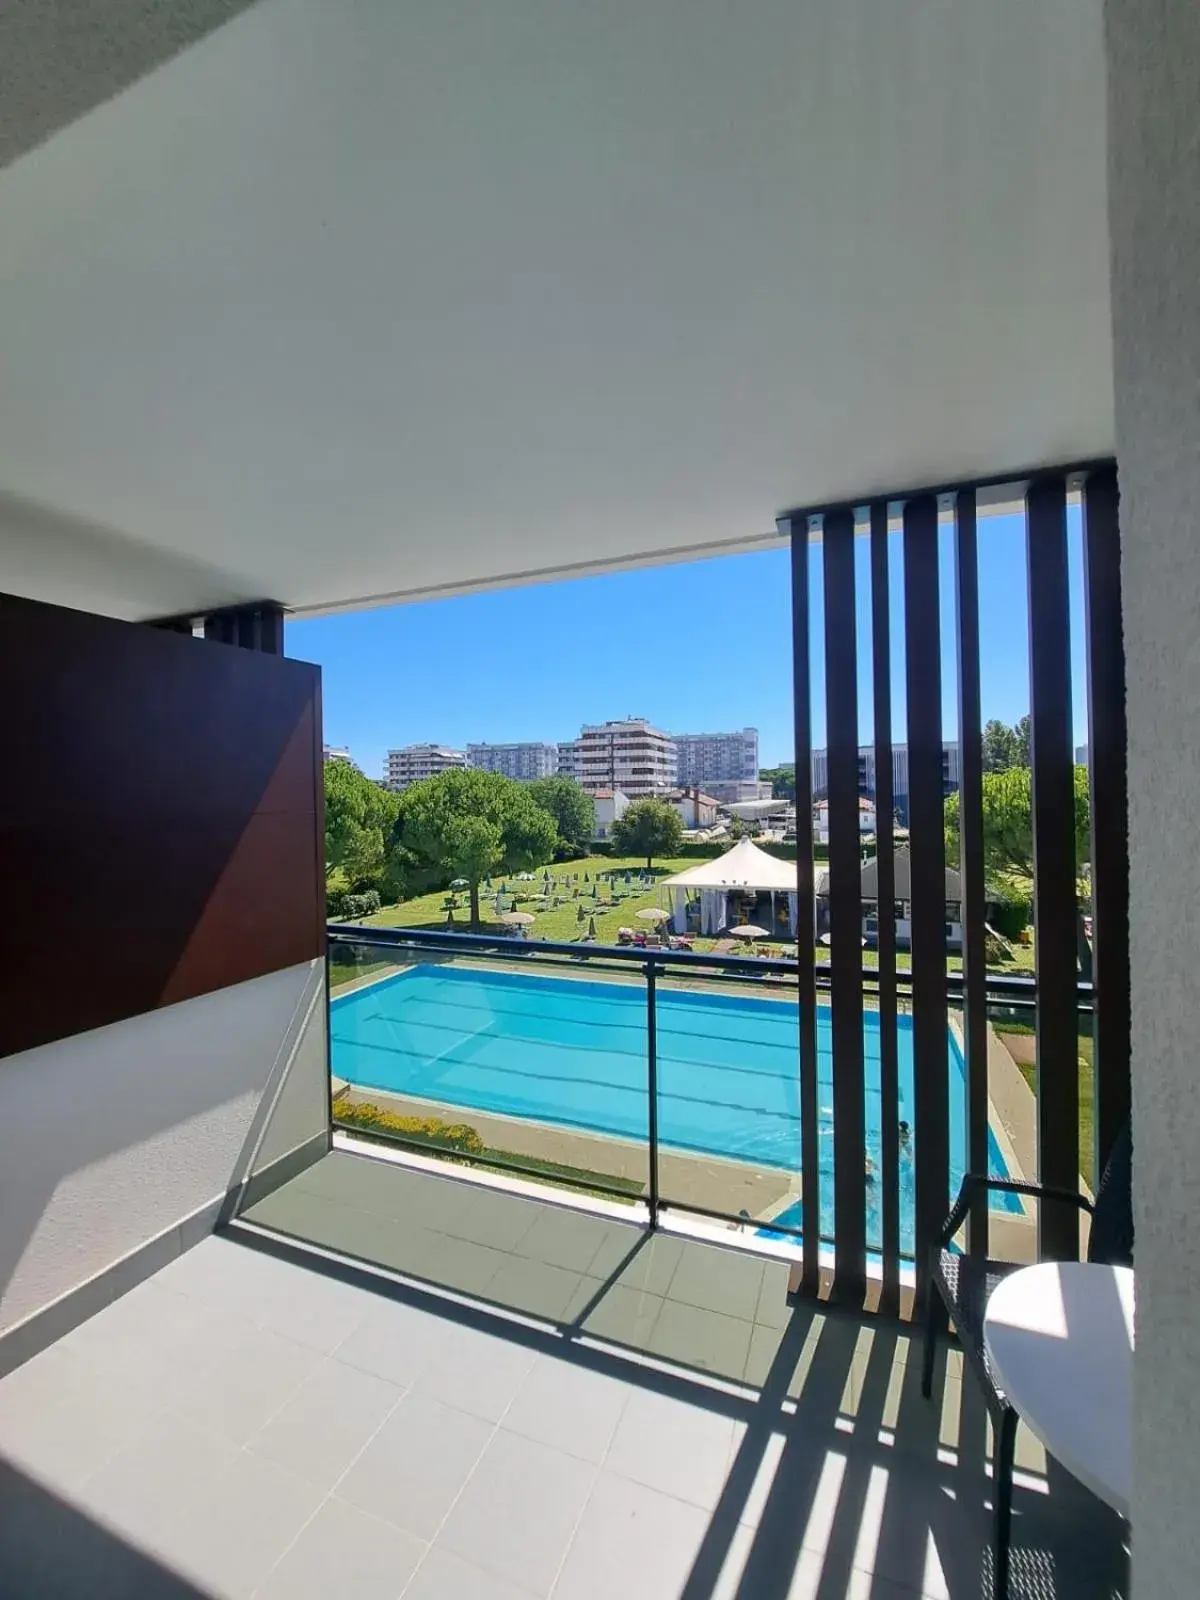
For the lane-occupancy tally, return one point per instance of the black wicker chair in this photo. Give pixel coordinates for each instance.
(960, 1285)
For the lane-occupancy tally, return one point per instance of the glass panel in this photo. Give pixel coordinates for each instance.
(729, 1095)
(529, 1064)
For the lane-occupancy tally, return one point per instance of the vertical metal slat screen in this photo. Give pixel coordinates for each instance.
(970, 865)
(845, 906)
(927, 865)
(1054, 863)
(885, 920)
(1109, 808)
(810, 1149)
(862, 1252)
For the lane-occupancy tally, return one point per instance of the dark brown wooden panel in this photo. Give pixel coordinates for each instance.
(927, 858)
(845, 905)
(885, 864)
(1109, 807)
(162, 840)
(970, 799)
(810, 1146)
(1053, 860)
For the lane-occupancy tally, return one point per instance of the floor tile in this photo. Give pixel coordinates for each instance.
(476, 1372)
(344, 1552)
(397, 1341)
(62, 1419)
(240, 1394)
(568, 1407)
(518, 1511)
(718, 1280)
(232, 1536)
(416, 1465)
(704, 1339)
(563, 1238)
(633, 1543)
(773, 1310)
(327, 1422)
(462, 1265)
(534, 1288)
(613, 1312)
(669, 1445)
(147, 1487)
(443, 1576)
(636, 1259)
(494, 1218)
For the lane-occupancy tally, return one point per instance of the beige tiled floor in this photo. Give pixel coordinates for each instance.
(255, 1421)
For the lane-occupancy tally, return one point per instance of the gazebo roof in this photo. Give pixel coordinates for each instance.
(745, 866)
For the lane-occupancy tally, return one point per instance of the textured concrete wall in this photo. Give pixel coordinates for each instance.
(1154, 202)
(111, 1138)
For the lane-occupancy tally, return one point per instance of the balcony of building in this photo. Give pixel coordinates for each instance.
(306, 308)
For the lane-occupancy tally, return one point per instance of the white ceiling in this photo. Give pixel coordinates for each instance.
(387, 298)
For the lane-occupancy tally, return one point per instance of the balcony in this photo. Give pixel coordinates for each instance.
(502, 1398)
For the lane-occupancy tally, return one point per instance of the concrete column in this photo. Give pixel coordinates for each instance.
(1154, 213)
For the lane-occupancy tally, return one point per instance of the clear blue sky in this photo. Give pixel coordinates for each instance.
(701, 646)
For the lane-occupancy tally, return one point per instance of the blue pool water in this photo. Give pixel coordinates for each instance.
(571, 1052)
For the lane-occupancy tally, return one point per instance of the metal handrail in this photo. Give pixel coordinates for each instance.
(1019, 992)
(1019, 988)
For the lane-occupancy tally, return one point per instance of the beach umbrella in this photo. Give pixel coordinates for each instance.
(519, 919)
(460, 883)
(586, 879)
(749, 931)
(591, 927)
(581, 914)
(654, 914)
(595, 891)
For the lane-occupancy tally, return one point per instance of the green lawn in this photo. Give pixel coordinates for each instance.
(1086, 1096)
(561, 922)
(613, 907)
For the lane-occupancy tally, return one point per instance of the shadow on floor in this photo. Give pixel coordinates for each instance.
(50, 1550)
(840, 1468)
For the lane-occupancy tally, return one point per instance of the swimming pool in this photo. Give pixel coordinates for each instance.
(573, 1053)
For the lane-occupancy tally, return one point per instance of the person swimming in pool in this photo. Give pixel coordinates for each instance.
(905, 1136)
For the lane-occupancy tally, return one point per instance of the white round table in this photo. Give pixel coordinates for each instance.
(1060, 1339)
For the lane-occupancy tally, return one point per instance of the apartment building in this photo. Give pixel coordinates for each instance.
(416, 761)
(708, 758)
(631, 755)
(866, 774)
(737, 791)
(524, 761)
(568, 759)
(335, 752)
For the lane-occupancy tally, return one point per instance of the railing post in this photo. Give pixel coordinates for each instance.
(652, 1086)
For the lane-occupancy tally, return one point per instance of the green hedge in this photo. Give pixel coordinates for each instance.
(339, 903)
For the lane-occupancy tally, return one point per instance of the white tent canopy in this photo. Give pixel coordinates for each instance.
(743, 867)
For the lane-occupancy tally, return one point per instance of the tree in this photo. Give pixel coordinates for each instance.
(648, 828)
(998, 747)
(573, 811)
(1007, 803)
(782, 780)
(359, 816)
(469, 824)
(1020, 738)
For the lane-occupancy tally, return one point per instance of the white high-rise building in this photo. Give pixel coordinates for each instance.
(417, 761)
(630, 755)
(866, 774)
(707, 758)
(569, 759)
(525, 761)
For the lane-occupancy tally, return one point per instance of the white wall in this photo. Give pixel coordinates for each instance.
(1154, 206)
(113, 1138)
